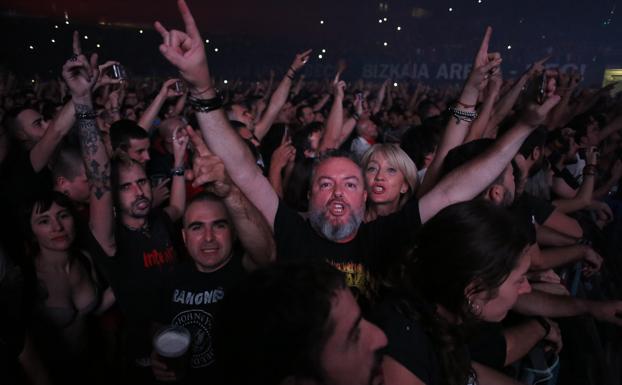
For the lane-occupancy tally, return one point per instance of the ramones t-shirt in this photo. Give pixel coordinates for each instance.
(192, 299)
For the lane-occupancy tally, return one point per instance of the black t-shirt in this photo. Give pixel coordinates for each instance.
(139, 254)
(529, 210)
(378, 245)
(192, 299)
(408, 343)
(141, 261)
(487, 345)
(541, 209)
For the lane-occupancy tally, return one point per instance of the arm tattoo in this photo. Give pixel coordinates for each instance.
(94, 154)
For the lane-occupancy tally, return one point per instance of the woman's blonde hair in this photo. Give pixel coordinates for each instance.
(398, 159)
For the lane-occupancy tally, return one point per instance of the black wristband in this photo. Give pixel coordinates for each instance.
(206, 105)
(544, 323)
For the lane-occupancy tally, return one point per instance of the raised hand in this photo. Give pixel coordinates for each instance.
(161, 192)
(301, 59)
(168, 89)
(185, 50)
(180, 144)
(79, 73)
(535, 114)
(537, 68)
(339, 87)
(485, 64)
(284, 154)
(103, 78)
(208, 169)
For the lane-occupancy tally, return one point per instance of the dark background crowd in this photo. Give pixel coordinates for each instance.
(350, 193)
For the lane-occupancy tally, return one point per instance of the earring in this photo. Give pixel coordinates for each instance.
(475, 308)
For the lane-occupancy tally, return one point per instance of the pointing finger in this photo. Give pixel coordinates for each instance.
(191, 27)
(198, 142)
(77, 50)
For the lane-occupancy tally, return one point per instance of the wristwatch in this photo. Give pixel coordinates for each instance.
(178, 171)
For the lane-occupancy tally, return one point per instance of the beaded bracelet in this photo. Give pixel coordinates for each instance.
(466, 116)
(88, 115)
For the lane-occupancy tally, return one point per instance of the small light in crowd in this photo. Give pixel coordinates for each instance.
(395, 84)
(215, 49)
(86, 37)
(98, 45)
(67, 22)
(66, 15)
(399, 28)
(380, 21)
(509, 47)
(451, 9)
(385, 44)
(53, 41)
(384, 19)
(225, 81)
(321, 21)
(31, 47)
(55, 26)
(32, 81)
(479, 1)
(207, 41)
(323, 50)
(320, 56)
(140, 31)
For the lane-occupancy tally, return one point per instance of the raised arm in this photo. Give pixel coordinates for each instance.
(280, 95)
(250, 226)
(185, 50)
(380, 97)
(468, 180)
(331, 135)
(147, 118)
(456, 131)
(478, 128)
(284, 155)
(96, 160)
(42, 151)
(177, 203)
(508, 100)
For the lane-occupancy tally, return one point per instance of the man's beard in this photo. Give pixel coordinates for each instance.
(139, 213)
(335, 232)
